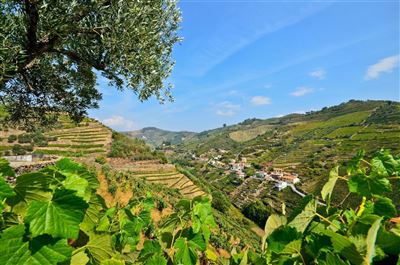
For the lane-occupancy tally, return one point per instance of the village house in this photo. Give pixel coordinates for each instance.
(281, 185)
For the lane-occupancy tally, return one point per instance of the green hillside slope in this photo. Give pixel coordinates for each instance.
(156, 137)
(306, 144)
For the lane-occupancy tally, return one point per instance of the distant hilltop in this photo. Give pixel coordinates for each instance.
(157, 137)
(379, 111)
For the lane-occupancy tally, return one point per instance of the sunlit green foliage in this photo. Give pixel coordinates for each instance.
(51, 51)
(54, 215)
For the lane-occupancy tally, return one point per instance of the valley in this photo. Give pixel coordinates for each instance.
(232, 158)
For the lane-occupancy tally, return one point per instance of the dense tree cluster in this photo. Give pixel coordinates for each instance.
(52, 51)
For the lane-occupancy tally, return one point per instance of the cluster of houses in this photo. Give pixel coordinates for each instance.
(282, 178)
(278, 175)
(238, 167)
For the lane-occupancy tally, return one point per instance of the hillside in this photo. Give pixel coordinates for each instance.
(126, 170)
(305, 144)
(156, 137)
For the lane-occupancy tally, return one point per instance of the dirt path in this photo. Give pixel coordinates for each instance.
(121, 197)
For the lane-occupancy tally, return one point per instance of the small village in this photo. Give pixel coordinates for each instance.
(282, 178)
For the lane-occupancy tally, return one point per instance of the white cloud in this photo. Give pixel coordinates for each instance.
(268, 86)
(119, 122)
(386, 65)
(227, 108)
(301, 91)
(260, 100)
(318, 74)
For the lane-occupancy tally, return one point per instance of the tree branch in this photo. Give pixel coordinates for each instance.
(32, 22)
(79, 59)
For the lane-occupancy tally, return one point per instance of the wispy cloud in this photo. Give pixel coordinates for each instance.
(301, 91)
(227, 108)
(119, 122)
(260, 100)
(386, 65)
(318, 74)
(222, 46)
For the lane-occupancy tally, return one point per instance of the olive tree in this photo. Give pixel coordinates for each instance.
(52, 50)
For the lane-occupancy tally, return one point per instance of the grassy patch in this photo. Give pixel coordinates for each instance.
(246, 135)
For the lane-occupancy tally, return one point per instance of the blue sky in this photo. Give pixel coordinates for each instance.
(245, 59)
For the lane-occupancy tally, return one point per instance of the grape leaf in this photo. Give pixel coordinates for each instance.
(327, 190)
(384, 207)
(93, 213)
(368, 185)
(332, 259)
(33, 187)
(202, 219)
(5, 189)
(388, 241)
(354, 164)
(185, 254)
(273, 222)
(292, 248)
(67, 167)
(371, 239)
(150, 248)
(59, 217)
(112, 261)
(343, 246)
(303, 219)
(99, 247)
(41, 250)
(156, 260)
(78, 184)
(385, 163)
(5, 169)
(278, 240)
(79, 258)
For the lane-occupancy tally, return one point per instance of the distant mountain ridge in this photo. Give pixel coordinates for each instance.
(156, 137)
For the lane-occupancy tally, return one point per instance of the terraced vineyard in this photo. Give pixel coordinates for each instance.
(154, 172)
(92, 138)
(175, 180)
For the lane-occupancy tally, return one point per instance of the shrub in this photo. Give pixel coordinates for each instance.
(257, 212)
(219, 201)
(28, 148)
(12, 138)
(18, 149)
(24, 138)
(42, 143)
(112, 189)
(100, 159)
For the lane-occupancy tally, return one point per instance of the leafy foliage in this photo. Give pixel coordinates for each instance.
(50, 51)
(64, 221)
(136, 149)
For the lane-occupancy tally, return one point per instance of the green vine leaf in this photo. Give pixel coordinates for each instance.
(157, 259)
(327, 190)
(99, 247)
(368, 185)
(5, 169)
(185, 254)
(79, 258)
(384, 207)
(343, 246)
(303, 219)
(69, 168)
(274, 221)
(371, 239)
(41, 250)
(112, 261)
(5, 190)
(59, 217)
